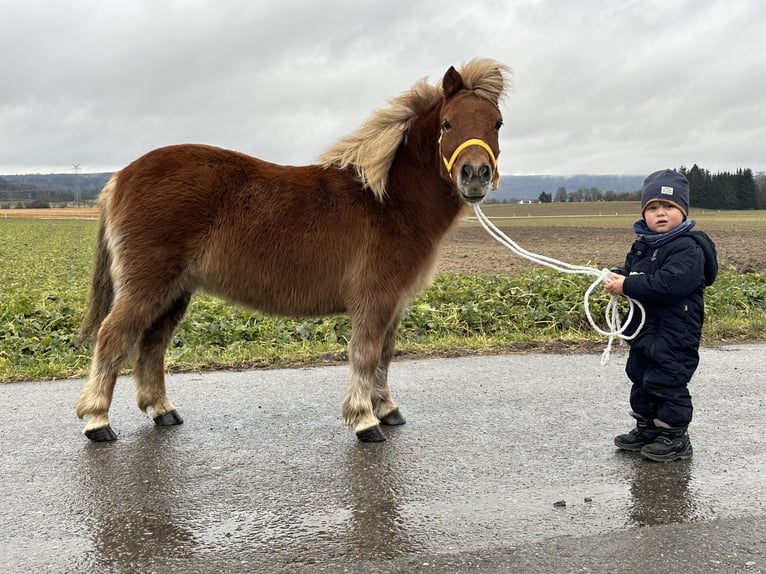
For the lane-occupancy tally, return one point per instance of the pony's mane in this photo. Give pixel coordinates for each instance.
(371, 149)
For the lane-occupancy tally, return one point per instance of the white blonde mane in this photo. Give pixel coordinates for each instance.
(371, 149)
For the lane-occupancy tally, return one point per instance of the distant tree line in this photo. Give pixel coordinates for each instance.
(587, 194)
(29, 196)
(723, 190)
(44, 190)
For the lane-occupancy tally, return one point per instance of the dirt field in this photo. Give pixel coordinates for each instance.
(53, 213)
(471, 250)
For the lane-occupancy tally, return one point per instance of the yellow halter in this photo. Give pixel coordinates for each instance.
(466, 144)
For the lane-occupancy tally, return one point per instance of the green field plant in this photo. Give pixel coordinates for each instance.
(45, 271)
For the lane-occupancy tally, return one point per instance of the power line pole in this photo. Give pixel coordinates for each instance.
(77, 192)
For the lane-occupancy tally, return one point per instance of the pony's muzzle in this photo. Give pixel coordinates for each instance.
(474, 181)
(482, 172)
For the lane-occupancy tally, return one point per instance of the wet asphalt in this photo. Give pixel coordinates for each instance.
(506, 464)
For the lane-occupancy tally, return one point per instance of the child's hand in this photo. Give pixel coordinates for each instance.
(614, 285)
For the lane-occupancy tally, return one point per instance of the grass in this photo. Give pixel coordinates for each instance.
(44, 274)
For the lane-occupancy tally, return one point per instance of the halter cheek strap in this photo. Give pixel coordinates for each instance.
(466, 144)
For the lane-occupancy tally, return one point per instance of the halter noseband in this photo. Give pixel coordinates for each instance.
(464, 145)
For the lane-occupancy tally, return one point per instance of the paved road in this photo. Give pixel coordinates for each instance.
(263, 477)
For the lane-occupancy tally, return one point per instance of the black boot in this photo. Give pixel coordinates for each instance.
(671, 444)
(645, 433)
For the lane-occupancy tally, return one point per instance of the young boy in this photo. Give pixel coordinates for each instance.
(665, 271)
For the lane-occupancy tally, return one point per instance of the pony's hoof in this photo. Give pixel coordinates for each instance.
(168, 419)
(101, 434)
(394, 418)
(372, 434)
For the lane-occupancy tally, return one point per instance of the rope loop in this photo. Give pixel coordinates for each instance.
(615, 329)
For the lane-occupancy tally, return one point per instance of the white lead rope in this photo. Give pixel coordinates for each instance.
(612, 314)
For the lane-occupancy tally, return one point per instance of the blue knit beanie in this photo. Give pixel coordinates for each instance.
(666, 185)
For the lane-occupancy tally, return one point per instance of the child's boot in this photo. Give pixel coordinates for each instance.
(671, 444)
(645, 433)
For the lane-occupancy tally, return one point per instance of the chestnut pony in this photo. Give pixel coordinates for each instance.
(358, 234)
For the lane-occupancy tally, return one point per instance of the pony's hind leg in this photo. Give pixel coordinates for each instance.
(116, 337)
(150, 364)
(384, 406)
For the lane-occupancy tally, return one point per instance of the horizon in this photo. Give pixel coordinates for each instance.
(552, 175)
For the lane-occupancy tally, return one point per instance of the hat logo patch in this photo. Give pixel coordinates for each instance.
(665, 190)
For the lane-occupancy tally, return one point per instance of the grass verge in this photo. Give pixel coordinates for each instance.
(44, 271)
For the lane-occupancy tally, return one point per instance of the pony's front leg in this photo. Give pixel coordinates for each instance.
(364, 353)
(383, 404)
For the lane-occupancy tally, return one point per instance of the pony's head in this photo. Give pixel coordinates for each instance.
(467, 103)
(470, 122)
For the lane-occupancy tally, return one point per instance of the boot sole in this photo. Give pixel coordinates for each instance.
(685, 455)
(630, 447)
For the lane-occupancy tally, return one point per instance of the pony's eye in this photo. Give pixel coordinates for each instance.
(499, 124)
(446, 125)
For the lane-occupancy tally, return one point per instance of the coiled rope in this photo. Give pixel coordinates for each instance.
(612, 314)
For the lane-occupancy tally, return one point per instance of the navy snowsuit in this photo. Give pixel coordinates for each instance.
(669, 281)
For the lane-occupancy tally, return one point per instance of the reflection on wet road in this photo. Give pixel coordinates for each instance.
(133, 502)
(660, 493)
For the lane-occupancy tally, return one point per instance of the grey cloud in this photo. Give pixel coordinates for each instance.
(598, 87)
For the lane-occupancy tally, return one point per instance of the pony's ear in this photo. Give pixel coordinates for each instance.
(452, 82)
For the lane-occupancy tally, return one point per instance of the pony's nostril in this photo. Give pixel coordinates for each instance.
(468, 173)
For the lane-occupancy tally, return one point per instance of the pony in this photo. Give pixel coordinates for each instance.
(358, 233)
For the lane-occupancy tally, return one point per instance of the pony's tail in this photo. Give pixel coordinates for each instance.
(101, 288)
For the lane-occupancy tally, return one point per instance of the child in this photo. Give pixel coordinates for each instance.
(666, 271)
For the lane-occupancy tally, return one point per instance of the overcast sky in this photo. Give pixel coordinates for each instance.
(610, 86)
